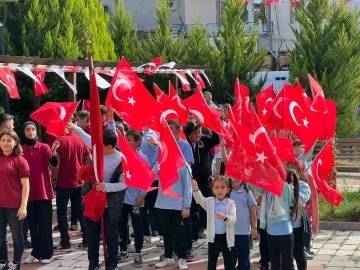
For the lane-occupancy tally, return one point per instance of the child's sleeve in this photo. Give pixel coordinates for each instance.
(200, 199)
(231, 216)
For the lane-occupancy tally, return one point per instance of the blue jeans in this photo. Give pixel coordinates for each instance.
(241, 252)
(8, 216)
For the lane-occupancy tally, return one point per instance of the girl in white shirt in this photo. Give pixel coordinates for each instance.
(221, 217)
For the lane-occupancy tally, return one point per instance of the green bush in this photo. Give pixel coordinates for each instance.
(348, 210)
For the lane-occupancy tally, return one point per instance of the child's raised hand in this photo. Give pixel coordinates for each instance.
(194, 185)
(220, 216)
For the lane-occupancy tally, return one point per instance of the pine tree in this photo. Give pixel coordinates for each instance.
(99, 33)
(124, 34)
(162, 44)
(236, 55)
(198, 49)
(327, 46)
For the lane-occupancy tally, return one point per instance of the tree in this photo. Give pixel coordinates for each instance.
(163, 44)
(236, 55)
(327, 46)
(124, 34)
(198, 49)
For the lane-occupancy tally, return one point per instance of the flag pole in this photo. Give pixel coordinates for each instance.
(103, 232)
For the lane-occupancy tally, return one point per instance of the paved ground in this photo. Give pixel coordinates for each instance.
(334, 250)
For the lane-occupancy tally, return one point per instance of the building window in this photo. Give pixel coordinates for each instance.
(171, 4)
(106, 9)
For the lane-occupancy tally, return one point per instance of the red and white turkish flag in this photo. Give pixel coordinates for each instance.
(199, 80)
(264, 103)
(208, 117)
(137, 173)
(153, 66)
(321, 169)
(7, 78)
(40, 87)
(254, 159)
(54, 116)
(129, 98)
(178, 105)
(170, 157)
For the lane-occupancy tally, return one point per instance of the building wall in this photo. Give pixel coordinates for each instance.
(205, 9)
(143, 13)
(110, 4)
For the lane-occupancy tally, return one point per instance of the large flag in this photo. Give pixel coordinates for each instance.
(254, 158)
(137, 173)
(95, 201)
(321, 168)
(130, 99)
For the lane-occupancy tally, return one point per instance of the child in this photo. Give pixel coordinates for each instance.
(245, 213)
(14, 193)
(304, 197)
(133, 206)
(221, 218)
(277, 217)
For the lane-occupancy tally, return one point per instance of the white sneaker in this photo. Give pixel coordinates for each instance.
(165, 263)
(131, 248)
(182, 264)
(161, 242)
(46, 261)
(195, 244)
(147, 241)
(30, 259)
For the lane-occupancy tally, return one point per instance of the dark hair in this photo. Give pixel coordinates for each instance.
(174, 122)
(17, 149)
(103, 109)
(5, 117)
(120, 128)
(220, 178)
(292, 178)
(135, 134)
(109, 138)
(72, 119)
(297, 142)
(83, 114)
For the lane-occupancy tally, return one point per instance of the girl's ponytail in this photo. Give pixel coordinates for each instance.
(296, 210)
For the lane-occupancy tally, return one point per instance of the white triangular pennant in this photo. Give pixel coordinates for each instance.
(206, 77)
(61, 74)
(29, 73)
(100, 81)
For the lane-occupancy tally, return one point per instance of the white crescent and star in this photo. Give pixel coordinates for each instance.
(281, 99)
(165, 114)
(11, 80)
(164, 153)
(127, 173)
(264, 111)
(317, 167)
(261, 157)
(62, 113)
(292, 106)
(253, 137)
(198, 115)
(117, 84)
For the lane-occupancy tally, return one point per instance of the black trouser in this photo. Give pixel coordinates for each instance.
(214, 249)
(40, 222)
(264, 250)
(73, 216)
(189, 237)
(241, 252)
(299, 249)
(8, 216)
(174, 229)
(151, 199)
(25, 229)
(281, 251)
(62, 198)
(198, 214)
(92, 230)
(123, 228)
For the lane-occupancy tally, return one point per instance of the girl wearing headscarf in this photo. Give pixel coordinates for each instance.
(39, 208)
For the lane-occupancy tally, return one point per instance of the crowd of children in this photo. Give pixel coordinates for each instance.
(230, 211)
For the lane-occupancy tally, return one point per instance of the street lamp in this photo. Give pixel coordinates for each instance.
(6, 97)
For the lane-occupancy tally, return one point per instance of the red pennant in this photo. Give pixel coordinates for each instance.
(7, 78)
(86, 105)
(199, 80)
(153, 66)
(184, 82)
(40, 87)
(321, 169)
